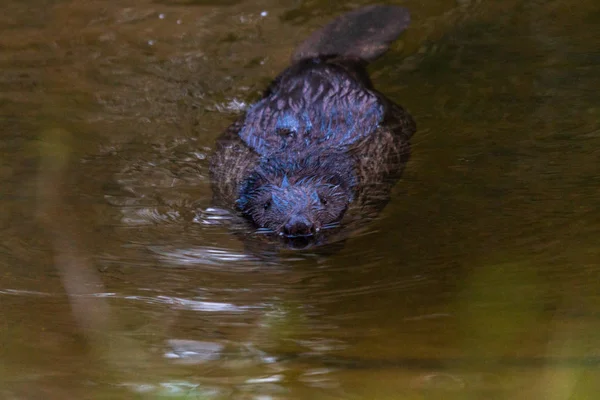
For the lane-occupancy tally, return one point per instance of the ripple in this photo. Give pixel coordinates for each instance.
(213, 216)
(193, 351)
(187, 304)
(232, 106)
(201, 256)
(17, 292)
(136, 216)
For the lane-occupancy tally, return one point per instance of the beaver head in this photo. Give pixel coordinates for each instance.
(298, 198)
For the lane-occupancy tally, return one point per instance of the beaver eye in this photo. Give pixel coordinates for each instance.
(267, 205)
(318, 198)
(285, 132)
(322, 199)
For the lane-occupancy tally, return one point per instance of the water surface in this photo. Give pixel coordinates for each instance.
(479, 280)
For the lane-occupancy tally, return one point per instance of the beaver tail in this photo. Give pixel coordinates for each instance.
(364, 34)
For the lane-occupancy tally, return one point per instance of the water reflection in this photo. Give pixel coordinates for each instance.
(200, 256)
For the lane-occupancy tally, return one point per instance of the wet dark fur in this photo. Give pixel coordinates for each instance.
(321, 147)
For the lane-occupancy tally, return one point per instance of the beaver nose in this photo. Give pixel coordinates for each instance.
(298, 225)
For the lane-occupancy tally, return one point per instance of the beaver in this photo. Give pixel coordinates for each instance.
(321, 146)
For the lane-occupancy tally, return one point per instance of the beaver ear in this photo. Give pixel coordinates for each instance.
(242, 203)
(314, 196)
(246, 191)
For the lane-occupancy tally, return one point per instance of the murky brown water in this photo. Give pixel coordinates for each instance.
(480, 279)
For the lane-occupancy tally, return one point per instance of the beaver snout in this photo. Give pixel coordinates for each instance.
(299, 225)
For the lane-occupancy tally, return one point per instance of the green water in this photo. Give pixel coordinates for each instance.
(480, 280)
